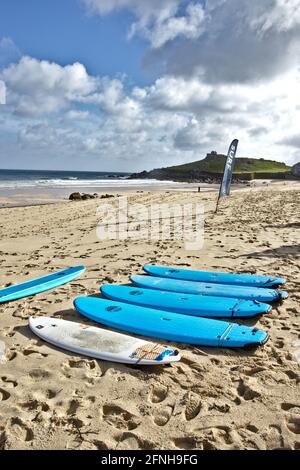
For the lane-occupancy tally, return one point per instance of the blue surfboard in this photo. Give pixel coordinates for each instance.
(169, 326)
(201, 306)
(40, 284)
(215, 290)
(249, 280)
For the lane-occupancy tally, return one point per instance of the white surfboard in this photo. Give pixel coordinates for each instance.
(100, 343)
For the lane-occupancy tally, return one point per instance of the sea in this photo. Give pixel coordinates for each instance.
(17, 179)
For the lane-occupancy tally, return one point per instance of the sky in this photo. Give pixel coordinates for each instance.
(128, 85)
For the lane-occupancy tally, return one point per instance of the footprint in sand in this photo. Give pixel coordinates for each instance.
(162, 416)
(185, 443)
(192, 406)
(88, 370)
(94, 445)
(273, 437)
(20, 431)
(34, 405)
(158, 393)
(11, 355)
(39, 374)
(10, 383)
(30, 352)
(4, 395)
(248, 389)
(8, 332)
(292, 407)
(81, 363)
(293, 424)
(130, 441)
(119, 417)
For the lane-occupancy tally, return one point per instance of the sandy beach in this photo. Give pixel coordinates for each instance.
(212, 398)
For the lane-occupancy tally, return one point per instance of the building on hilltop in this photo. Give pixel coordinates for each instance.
(296, 170)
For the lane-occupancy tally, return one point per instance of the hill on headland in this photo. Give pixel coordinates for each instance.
(211, 168)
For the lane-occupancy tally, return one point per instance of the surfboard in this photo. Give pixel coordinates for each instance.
(249, 280)
(201, 306)
(216, 290)
(101, 344)
(40, 284)
(167, 325)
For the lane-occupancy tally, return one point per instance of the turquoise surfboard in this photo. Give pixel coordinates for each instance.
(40, 284)
(201, 288)
(169, 326)
(187, 304)
(249, 280)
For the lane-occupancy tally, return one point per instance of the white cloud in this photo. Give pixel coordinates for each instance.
(159, 21)
(220, 40)
(261, 116)
(242, 41)
(75, 115)
(190, 26)
(37, 87)
(171, 121)
(176, 119)
(145, 10)
(282, 15)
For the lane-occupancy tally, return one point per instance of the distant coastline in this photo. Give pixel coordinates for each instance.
(210, 170)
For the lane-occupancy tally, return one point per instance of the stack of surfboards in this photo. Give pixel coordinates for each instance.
(179, 305)
(169, 304)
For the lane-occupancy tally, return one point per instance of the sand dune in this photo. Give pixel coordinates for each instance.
(213, 398)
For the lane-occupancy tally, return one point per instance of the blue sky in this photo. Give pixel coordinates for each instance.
(63, 31)
(135, 84)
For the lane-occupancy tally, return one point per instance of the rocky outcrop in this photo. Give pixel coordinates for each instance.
(192, 176)
(84, 196)
(296, 170)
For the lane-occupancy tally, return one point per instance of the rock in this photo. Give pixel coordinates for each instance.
(296, 170)
(105, 196)
(81, 197)
(75, 197)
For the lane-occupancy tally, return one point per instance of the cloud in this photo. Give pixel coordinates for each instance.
(37, 87)
(241, 41)
(282, 16)
(219, 40)
(190, 136)
(190, 26)
(292, 141)
(9, 52)
(54, 110)
(75, 115)
(217, 112)
(158, 21)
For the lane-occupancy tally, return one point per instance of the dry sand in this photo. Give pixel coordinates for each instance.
(213, 398)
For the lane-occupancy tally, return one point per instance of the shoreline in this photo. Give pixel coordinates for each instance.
(35, 196)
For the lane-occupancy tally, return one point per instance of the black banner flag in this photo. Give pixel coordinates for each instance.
(229, 165)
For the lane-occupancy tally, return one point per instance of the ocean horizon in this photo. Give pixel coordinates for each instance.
(16, 179)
